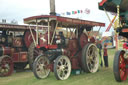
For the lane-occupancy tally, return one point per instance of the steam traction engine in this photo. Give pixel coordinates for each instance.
(68, 50)
(15, 41)
(120, 66)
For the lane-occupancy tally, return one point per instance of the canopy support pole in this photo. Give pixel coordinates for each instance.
(32, 35)
(118, 16)
(36, 32)
(118, 25)
(54, 33)
(48, 32)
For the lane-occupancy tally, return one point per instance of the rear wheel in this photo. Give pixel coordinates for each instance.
(62, 67)
(119, 66)
(33, 52)
(40, 67)
(90, 60)
(6, 66)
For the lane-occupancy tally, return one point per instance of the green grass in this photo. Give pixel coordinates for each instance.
(103, 77)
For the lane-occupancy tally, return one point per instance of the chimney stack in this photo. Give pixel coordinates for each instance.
(52, 7)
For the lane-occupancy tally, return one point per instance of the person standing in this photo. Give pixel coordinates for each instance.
(99, 46)
(105, 55)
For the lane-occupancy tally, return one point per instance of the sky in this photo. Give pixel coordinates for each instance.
(20, 9)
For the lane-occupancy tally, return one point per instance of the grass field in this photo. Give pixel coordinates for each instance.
(103, 77)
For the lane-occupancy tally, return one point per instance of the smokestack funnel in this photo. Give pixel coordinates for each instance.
(52, 7)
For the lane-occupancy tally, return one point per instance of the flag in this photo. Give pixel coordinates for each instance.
(87, 11)
(73, 12)
(78, 11)
(81, 11)
(68, 13)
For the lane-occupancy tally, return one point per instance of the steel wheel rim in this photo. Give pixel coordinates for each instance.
(42, 67)
(122, 67)
(92, 58)
(6, 67)
(63, 68)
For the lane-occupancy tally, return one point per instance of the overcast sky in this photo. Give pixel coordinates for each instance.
(20, 9)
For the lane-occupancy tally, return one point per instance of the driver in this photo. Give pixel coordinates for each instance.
(60, 40)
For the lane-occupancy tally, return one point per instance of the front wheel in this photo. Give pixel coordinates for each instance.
(40, 67)
(62, 67)
(119, 66)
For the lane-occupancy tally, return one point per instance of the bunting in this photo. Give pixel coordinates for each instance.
(86, 11)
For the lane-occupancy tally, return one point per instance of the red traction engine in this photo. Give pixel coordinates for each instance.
(55, 57)
(120, 7)
(13, 53)
(63, 55)
(16, 44)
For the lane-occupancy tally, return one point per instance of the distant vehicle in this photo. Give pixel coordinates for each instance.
(17, 47)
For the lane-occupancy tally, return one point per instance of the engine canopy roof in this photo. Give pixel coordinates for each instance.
(63, 21)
